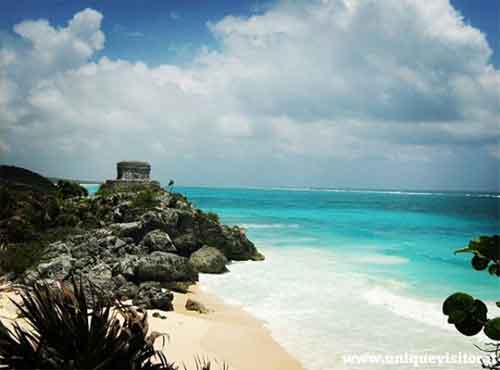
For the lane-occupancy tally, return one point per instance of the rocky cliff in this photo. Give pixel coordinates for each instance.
(131, 245)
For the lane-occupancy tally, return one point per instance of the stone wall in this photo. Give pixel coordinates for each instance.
(133, 171)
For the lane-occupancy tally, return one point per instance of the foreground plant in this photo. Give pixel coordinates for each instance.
(65, 330)
(470, 315)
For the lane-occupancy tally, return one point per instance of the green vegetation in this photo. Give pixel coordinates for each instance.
(146, 199)
(70, 189)
(7, 203)
(71, 328)
(213, 216)
(18, 258)
(170, 185)
(470, 315)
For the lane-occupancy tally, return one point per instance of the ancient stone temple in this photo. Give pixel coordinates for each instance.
(133, 170)
(131, 176)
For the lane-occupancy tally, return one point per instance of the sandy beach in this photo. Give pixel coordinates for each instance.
(226, 335)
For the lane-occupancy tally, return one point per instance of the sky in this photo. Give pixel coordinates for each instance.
(328, 93)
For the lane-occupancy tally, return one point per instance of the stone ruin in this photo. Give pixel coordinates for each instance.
(133, 171)
(132, 176)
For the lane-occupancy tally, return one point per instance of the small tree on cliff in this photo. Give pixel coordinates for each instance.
(170, 185)
(470, 315)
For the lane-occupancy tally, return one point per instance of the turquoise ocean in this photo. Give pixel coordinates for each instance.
(355, 272)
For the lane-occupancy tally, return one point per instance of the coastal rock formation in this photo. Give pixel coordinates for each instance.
(158, 240)
(135, 245)
(162, 266)
(150, 295)
(209, 260)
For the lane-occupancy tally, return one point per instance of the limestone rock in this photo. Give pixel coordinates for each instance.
(192, 305)
(209, 260)
(158, 240)
(186, 244)
(128, 229)
(163, 266)
(57, 268)
(152, 296)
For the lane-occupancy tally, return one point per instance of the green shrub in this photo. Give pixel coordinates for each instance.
(470, 315)
(7, 203)
(213, 216)
(20, 257)
(70, 189)
(145, 199)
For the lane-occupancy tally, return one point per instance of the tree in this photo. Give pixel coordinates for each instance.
(470, 315)
(170, 185)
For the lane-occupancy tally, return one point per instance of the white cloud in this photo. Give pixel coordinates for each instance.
(395, 82)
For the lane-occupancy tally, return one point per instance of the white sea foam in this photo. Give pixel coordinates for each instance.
(380, 259)
(375, 191)
(319, 310)
(428, 313)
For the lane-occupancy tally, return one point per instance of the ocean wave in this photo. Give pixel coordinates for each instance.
(417, 309)
(270, 226)
(374, 191)
(411, 308)
(319, 311)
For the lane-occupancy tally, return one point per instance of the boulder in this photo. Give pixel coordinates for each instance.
(100, 273)
(186, 244)
(163, 266)
(89, 247)
(126, 266)
(231, 241)
(161, 219)
(152, 296)
(187, 221)
(56, 249)
(132, 230)
(128, 290)
(98, 280)
(177, 286)
(57, 268)
(209, 260)
(158, 240)
(192, 305)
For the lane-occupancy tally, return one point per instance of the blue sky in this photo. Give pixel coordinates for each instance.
(172, 31)
(152, 31)
(392, 94)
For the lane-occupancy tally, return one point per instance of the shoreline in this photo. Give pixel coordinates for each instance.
(226, 335)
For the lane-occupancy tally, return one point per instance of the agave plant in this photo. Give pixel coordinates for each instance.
(65, 331)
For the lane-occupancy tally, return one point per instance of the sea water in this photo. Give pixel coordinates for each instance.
(356, 272)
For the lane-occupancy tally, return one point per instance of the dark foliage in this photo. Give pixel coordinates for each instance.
(18, 258)
(70, 189)
(21, 178)
(470, 315)
(145, 199)
(213, 216)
